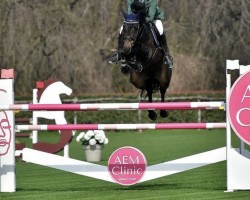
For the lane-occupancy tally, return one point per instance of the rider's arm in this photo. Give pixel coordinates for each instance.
(151, 11)
(129, 6)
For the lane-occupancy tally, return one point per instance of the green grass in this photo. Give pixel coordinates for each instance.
(209, 182)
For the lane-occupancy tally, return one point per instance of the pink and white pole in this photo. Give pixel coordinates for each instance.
(152, 126)
(116, 106)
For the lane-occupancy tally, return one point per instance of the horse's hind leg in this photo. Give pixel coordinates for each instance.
(163, 113)
(151, 113)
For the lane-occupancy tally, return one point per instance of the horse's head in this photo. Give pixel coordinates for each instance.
(61, 88)
(130, 31)
(51, 90)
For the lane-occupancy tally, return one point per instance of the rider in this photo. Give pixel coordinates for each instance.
(152, 14)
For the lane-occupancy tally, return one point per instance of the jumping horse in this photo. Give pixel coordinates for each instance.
(143, 59)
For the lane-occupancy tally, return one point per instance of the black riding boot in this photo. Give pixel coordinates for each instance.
(168, 57)
(116, 57)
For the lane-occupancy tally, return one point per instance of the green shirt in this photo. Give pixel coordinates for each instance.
(154, 12)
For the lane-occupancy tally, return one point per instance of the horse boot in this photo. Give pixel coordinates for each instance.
(117, 56)
(125, 69)
(164, 46)
(136, 65)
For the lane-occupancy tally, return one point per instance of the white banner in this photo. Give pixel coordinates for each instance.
(7, 139)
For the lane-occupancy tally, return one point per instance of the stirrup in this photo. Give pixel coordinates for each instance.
(169, 61)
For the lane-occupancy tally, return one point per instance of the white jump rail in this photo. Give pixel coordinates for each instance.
(152, 126)
(116, 106)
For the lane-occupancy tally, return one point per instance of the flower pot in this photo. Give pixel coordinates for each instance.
(93, 152)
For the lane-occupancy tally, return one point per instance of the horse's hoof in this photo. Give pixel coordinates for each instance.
(164, 113)
(138, 67)
(152, 115)
(126, 70)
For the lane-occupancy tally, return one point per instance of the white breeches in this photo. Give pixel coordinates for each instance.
(158, 24)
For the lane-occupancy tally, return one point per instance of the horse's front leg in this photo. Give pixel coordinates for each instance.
(151, 113)
(135, 64)
(163, 113)
(125, 68)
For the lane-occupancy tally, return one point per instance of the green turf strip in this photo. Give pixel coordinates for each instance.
(209, 182)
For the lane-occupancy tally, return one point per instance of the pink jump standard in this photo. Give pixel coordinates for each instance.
(238, 115)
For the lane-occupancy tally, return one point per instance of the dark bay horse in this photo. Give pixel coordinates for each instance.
(143, 59)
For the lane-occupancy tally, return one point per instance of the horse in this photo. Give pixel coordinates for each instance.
(143, 59)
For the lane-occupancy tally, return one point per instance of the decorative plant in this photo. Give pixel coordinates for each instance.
(92, 137)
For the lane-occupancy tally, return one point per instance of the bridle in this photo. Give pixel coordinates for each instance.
(132, 23)
(134, 34)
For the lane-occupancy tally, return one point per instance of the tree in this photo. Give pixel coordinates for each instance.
(72, 40)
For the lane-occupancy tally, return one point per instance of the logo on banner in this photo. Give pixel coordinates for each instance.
(127, 165)
(5, 126)
(239, 108)
(5, 133)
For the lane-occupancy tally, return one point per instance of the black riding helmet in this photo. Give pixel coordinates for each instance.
(138, 6)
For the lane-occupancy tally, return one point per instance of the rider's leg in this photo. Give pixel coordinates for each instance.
(163, 43)
(116, 57)
(168, 57)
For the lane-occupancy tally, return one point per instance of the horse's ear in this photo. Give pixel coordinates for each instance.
(124, 14)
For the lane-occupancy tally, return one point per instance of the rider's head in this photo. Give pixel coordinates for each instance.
(138, 6)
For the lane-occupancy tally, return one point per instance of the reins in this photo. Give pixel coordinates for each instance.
(138, 41)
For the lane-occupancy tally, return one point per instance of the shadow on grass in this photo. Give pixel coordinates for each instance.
(149, 187)
(144, 187)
